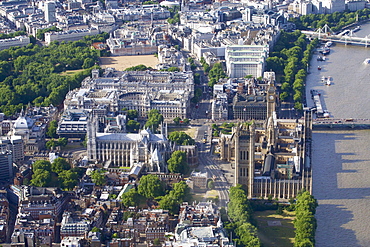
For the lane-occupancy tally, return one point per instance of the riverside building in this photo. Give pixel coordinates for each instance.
(272, 159)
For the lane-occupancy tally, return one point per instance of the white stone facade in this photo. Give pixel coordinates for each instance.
(124, 149)
(16, 41)
(70, 35)
(243, 60)
(168, 92)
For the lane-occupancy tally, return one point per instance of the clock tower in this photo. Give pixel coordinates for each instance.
(271, 99)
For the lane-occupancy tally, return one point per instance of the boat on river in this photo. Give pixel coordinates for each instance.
(325, 51)
(328, 81)
(356, 29)
(366, 61)
(328, 44)
(321, 58)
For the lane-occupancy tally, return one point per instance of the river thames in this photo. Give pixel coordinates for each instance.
(341, 159)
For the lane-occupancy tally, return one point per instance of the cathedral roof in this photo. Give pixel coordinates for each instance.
(146, 132)
(156, 156)
(127, 137)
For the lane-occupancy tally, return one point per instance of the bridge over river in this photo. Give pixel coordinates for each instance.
(348, 123)
(345, 37)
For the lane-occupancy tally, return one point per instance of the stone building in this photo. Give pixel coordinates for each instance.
(138, 39)
(15, 145)
(168, 92)
(16, 41)
(191, 154)
(40, 202)
(70, 35)
(258, 101)
(198, 181)
(127, 149)
(273, 158)
(171, 57)
(245, 99)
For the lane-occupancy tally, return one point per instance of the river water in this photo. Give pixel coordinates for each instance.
(341, 159)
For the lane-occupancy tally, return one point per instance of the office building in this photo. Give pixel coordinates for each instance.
(6, 165)
(50, 12)
(244, 60)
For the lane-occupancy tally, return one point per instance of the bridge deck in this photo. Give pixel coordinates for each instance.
(323, 123)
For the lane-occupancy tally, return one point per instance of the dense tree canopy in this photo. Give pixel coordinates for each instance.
(132, 114)
(305, 222)
(239, 211)
(335, 21)
(31, 74)
(290, 58)
(177, 163)
(205, 65)
(68, 178)
(52, 129)
(175, 17)
(41, 165)
(177, 120)
(197, 95)
(132, 126)
(172, 201)
(12, 35)
(131, 198)
(59, 165)
(61, 142)
(215, 74)
(181, 138)
(140, 67)
(41, 178)
(98, 177)
(154, 119)
(56, 174)
(150, 186)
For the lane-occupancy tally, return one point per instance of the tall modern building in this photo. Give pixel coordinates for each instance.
(50, 12)
(6, 165)
(243, 60)
(15, 145)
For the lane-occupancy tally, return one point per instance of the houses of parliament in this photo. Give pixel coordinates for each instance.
(271, 157)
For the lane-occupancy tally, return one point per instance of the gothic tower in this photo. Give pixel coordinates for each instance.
(91, 138)
(271, 99)
(244, 156)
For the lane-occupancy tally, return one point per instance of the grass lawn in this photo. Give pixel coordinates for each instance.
(71, 72)
(211, 193)
(203, 197)
(188, 130)
(197, 197)
(71, 146)
(275, 236)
